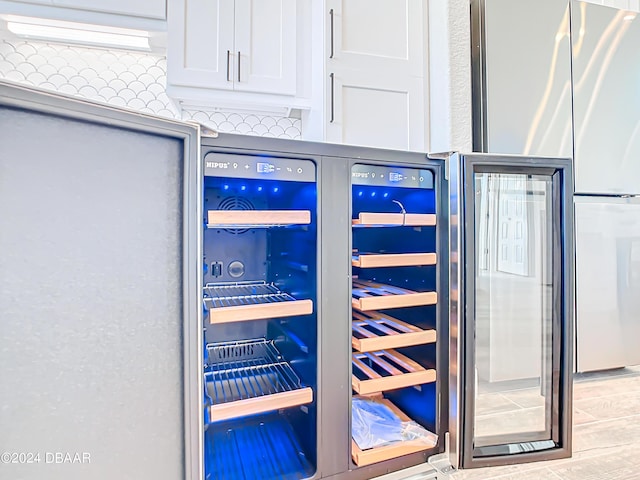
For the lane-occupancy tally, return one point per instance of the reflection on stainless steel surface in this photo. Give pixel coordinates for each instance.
(513, 306)
(608, 272)
(544, 106)
(606, 75)
(526, 77)
(456, 263)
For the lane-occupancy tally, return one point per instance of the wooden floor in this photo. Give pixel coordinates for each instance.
(606, 434)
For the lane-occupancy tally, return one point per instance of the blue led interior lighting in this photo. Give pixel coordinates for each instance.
(415, 200)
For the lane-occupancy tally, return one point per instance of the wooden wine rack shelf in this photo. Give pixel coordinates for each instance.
(395, 219)
(267, 403)
(243, 313)
(374, 331)
(393, 450)
(387, 370)
(250, 377)
(251, 301)
(376, 365)
(256, 218)
(367, 295)
(374, 260)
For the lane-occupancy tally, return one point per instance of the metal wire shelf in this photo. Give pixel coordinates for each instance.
(248, 377)
(239, 301)
(243, 293)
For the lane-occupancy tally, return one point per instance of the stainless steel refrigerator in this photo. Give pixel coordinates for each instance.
(176, 304)
(606, 105)
(560, 78)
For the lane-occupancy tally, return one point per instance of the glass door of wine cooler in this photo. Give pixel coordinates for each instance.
(516, 261)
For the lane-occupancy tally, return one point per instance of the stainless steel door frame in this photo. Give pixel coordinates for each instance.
(462, 427)
(17, 97)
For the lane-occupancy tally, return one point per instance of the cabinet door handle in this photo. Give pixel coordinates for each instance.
(238, 65)
(331, 100)
(228, 60)
(331, 34)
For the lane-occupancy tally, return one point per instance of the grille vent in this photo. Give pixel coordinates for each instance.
(236, 203)
(236, 352)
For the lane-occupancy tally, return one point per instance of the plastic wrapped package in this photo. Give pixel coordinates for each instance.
(373, 424)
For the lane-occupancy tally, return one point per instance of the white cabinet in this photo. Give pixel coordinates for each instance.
(375, 71)
(240, 45)
(139, 14)
(200, 43)
(137, 8)
(265, 39)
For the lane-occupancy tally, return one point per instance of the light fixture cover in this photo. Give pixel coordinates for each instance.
(79, 33)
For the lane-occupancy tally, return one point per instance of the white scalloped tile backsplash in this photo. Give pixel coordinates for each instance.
(249, 124)
(126, 79)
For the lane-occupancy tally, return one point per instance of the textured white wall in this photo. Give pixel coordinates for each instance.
(126, 79)
(450, 76)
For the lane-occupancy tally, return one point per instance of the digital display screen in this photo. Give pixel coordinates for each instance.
(263, 167)
(391, 176)
(395, 177)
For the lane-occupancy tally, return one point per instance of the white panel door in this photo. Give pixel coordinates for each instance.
(376, 52)
(265, 40)
(137, 8)
(513, 226)
(366, 111)
(200, 50)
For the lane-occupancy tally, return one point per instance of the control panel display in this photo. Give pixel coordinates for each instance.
(267, 168)
(391, 176)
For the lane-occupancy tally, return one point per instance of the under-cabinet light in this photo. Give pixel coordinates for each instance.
(77, 35)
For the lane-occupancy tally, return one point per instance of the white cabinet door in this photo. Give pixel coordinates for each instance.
(200, 50)
(369, 111)
(137, 8)
(265, 39)
(376, 95)
(243, 45)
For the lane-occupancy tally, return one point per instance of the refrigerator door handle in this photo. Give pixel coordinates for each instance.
(331, 76)
(331, 33)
